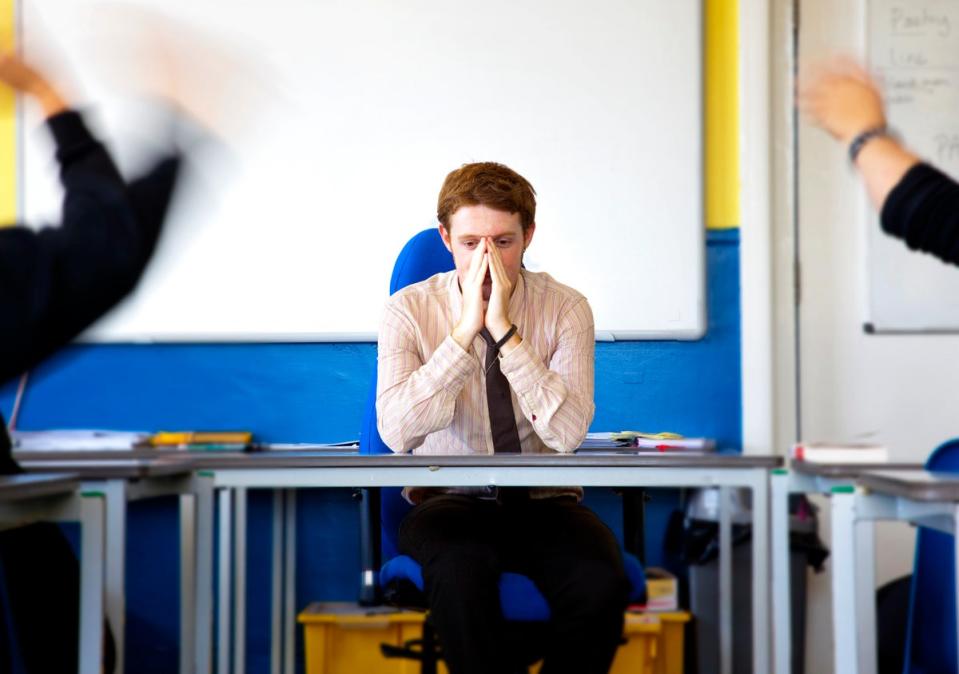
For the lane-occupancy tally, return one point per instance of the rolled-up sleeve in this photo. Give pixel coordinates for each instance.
(557, 398)
(415, 398)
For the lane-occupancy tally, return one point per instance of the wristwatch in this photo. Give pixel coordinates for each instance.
(855, 147)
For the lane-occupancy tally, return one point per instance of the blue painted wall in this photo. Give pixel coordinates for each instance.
(314, 392)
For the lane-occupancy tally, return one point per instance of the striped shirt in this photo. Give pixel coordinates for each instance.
(431, 394)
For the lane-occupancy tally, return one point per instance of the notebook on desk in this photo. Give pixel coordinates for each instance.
(645, 443)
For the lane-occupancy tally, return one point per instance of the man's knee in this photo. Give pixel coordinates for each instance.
(439, 522)
(469, 568)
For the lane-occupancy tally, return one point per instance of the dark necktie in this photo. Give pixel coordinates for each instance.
(501, 419)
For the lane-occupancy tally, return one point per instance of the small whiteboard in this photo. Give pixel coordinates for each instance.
(914, 47)
(362, 108)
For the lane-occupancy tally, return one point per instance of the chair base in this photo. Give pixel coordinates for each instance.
(425, 650)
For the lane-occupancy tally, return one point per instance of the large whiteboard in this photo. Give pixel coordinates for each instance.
(358, 111)
(914, 47)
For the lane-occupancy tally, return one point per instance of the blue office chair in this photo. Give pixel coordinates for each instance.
(400, 580)
(931, 632)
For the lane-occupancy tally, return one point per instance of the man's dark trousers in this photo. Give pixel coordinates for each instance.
(463, 545)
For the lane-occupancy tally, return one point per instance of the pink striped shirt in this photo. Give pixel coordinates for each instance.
(431, 394)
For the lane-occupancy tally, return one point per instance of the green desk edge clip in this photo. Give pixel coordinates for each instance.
(780, 471)
(92, 494)
(205, 473)
(843, 489)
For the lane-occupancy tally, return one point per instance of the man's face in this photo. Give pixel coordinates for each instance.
(470, 224)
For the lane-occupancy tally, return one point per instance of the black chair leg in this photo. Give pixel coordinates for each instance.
(634, 522)
(430, 654)
(424, 649)
(370, 554)
(370, 591)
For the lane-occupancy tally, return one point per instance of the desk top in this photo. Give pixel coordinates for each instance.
(850, 470)
(291, 459)
(19, 487)
(22, 455)
(112, 468)
(151, 463)
(917, 485)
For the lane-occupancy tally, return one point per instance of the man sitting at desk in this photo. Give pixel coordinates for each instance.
(494, 358)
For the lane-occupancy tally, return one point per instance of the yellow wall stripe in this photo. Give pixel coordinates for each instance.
(722, 113)
(8, 123)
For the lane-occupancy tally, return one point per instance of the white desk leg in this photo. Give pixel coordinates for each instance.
(782, 599)
(187, 583)
(115, 492)
(761, 573)
(844, 606)
(203, 488)
(866, 595)
(91, 583)
(725, 583)
(239, 582)
(289, 590)
(225, 553)
(276, 587)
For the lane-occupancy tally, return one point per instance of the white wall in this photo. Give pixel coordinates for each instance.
(897, 390)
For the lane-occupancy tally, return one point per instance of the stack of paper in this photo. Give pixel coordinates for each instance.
(676, 445)
(76, 440)
(647, 442)
(347, 447)
(602, 441)
(832, 452)
(631, 436)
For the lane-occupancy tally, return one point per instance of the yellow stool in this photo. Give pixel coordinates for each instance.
(345, 638)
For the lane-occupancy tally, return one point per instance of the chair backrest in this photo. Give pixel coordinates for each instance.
(423, 256)
(931, 636)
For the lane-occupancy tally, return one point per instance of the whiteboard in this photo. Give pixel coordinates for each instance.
(356, 111)
(914, 47)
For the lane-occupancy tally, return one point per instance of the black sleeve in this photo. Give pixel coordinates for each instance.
(923, 210)
(54, 283)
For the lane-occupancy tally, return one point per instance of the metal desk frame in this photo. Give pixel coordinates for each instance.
(64, 503)
(122, 480)
(869, 501)
(256, 472)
